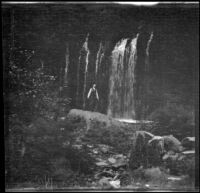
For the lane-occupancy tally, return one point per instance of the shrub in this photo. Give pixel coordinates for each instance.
(173, 119)
(154, 175)
(48, 153)
(110, 135)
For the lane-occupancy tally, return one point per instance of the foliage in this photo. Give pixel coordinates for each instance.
(33, 139)
(172, 119)
(47, 153)
(110, 135)
(33, 92)
(182, 165)
(155, 174)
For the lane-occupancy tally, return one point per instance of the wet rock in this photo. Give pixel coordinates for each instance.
(119, 164)
(138, 184)
(172, 144)
(102, 164)
(188, 143)
(77, 146)
(189, 152)
(172, 156)
(104, 183)
(147, 185)
(112, 160)
(104, 148)
(119, 156)
(94, 151)
(150, 151)
(77, 115)
(115, 183)
(96, 128)
(166, 143)
(118, 161)
(172, 178)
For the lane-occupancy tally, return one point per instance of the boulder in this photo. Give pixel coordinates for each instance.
(119, 164)
(115, 184)
(102, 164)
(77, 115)
(165, 144)
(188, 143)
(104, 183)
(189, 152)
(172, 144)
(112, 160)
(97, 128)
(105, 148)
(148, 149)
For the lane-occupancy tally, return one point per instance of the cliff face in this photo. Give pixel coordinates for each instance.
(140, 58)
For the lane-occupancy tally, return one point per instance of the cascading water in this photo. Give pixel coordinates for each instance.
(116, 76)
(100, 55)
(82, 70)
(66, 64)
(146, 84)
(86, 69)
(78, 79)
(147, 52)
(122, 80)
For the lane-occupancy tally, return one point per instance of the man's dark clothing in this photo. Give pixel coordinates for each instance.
(93, 100)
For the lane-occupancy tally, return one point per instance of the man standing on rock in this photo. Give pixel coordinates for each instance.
(93, 98)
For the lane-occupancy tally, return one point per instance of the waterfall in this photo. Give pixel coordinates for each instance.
(115, 82)
(100, 55)
(122, 79)
(66, 64)
(82, 70)
(78, 78)
(130, 81)
(146, 80)
(86, 68)
(147, 52)
(97, 60)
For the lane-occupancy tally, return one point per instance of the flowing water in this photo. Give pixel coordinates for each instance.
(82, 70)
(98, 59)
(85, 45)
(122, 79)
(66, 64)
(147, 52)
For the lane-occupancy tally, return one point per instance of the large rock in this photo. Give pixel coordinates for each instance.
(157, 142)
(172, 144)
(188, 143)
(147, 149)
(166, 143)
(97, 128)
(77, 115)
